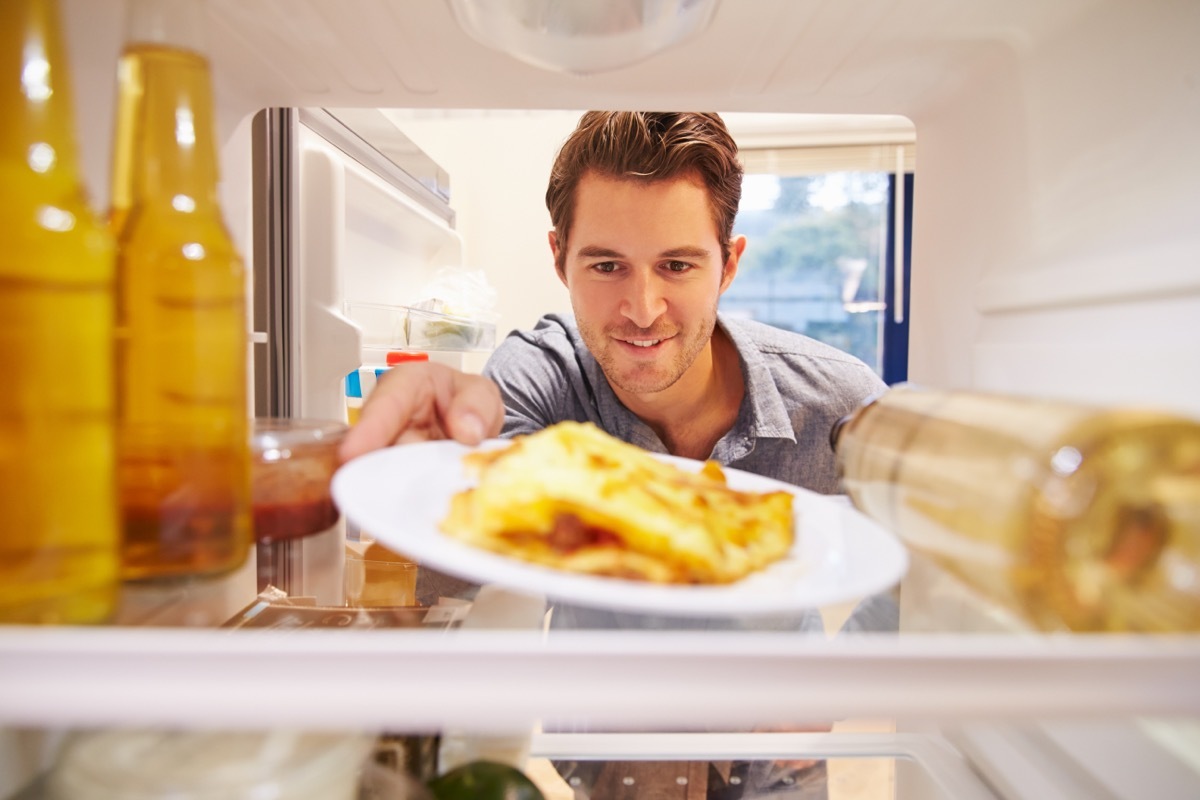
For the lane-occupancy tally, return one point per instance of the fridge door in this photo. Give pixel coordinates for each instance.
(348, 213)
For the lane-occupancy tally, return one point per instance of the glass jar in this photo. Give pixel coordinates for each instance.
(297, 530)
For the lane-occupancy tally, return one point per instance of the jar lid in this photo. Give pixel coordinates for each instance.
(281, 435)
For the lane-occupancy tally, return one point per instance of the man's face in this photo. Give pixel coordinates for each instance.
(644, 270)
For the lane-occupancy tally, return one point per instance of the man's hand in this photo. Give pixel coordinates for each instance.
(419, 402)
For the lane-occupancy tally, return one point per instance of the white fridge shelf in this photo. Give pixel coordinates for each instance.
(485, 680)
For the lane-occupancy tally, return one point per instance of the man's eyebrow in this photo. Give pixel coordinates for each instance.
(596, 251)
(685, 252)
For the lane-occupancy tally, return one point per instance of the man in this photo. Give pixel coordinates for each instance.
(643, 206)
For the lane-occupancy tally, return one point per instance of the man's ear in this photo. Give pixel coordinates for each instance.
(737, 246)
(558, 263)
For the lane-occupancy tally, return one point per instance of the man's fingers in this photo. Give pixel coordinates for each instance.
(387, 414)
(475, 411)
(419, 402)
(467, 428)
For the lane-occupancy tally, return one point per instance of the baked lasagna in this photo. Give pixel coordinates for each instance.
(574, 498)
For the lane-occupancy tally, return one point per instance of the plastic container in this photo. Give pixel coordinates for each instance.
(408, 328)
(430, 330)
(216, 765)
(378, 577)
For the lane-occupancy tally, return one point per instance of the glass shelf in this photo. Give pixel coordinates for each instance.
(389, 327)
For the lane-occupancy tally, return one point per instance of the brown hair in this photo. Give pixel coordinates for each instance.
(648, 146)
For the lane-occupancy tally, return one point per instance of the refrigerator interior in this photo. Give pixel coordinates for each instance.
(1055, 253)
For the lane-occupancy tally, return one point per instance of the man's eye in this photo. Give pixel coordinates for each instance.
(606, 267)
(678, 266)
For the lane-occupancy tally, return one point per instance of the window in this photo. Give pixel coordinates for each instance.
(822, 229)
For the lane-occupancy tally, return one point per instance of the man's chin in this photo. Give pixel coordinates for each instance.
(640, 383)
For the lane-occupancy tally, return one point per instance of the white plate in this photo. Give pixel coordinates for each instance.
(400, 494)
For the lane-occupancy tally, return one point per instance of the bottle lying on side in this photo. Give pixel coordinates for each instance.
(1077, 518)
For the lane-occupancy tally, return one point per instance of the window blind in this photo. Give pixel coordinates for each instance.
(823, 159)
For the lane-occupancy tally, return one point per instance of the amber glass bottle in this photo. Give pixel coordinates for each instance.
(182, 343)
(58, 536)
(1077, 518)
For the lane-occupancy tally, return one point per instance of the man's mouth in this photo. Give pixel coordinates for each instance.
(648, 342)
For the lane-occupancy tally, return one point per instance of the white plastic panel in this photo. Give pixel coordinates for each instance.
(360, 240)
(498, 680)
(328, 345)
(1069, 760)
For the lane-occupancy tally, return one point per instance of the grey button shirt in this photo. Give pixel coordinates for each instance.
(796, 389)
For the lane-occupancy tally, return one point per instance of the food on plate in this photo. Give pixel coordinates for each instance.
(575, 498)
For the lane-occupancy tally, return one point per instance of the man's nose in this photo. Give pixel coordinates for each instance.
(644, 301)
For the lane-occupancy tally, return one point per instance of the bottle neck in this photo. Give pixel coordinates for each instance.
(166, 155)
(175, 24)
(37, 143)
(166, 152)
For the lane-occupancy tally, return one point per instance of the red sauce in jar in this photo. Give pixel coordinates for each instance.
(279, 521)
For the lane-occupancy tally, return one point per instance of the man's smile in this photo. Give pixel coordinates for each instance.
(642, 344)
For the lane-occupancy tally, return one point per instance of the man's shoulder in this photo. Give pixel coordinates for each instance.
(551, 332)
(551, 344)
(555, 331)
(771, 341)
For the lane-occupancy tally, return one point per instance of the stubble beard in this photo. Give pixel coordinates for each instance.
(650, 377)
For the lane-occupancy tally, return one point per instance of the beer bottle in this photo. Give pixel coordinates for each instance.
(1077, 518)
(58, 536)
(183, 416)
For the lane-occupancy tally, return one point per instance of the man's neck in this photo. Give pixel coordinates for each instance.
(691, 416)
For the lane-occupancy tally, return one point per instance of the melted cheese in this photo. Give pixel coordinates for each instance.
(575, 498)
